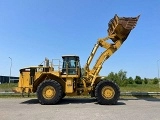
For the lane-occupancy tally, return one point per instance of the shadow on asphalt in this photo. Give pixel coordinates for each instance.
(70, 101)
(77, 100)
(31, 101)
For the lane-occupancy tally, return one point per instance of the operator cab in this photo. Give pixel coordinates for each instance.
(71, 65)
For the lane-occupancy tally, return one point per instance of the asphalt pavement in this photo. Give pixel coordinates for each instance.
(79, 109)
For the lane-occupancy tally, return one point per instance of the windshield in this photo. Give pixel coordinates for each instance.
(70, 64)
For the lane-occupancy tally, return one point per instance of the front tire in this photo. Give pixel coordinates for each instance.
(49, 92)
(107, 92)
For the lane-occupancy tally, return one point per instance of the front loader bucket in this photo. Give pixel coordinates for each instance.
(120, 27)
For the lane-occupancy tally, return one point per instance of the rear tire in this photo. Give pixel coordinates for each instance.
(49, 92)
(107, 92)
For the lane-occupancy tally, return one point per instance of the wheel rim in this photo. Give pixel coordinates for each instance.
(49, 92)
(108, 92)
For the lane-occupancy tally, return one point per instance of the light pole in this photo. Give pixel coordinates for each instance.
(158, 72)
(10, 72)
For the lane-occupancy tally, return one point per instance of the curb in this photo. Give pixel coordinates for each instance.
(122, 93)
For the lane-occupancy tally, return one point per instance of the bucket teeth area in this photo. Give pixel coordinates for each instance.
(121, 27)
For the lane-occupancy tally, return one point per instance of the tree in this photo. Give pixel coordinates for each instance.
(130, 80)
(145, 81)
(112, 76)
(138, 80)
(155, 81)
(120, 77)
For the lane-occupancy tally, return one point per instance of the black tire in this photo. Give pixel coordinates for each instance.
(63, 95)
(54, 92)
(107, 92)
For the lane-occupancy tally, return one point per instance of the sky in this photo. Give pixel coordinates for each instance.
(31, 30)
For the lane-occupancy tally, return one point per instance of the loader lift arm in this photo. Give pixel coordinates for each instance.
(118, 31)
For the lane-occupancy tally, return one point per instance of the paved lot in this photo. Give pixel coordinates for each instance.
(79, 109)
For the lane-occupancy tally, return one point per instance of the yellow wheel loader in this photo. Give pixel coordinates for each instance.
(53, 81)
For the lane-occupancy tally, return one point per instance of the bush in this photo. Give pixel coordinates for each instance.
(130, 80)
(145, 81)
(124, 83)
(138, 80)
(155, 81)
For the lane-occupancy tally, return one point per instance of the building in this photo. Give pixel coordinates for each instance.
(5, 79)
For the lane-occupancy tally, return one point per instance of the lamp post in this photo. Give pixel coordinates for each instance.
(10, 72)
(158, 72)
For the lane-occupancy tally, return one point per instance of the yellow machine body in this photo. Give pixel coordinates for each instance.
(67, 79)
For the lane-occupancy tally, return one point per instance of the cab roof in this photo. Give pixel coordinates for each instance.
(70, 56)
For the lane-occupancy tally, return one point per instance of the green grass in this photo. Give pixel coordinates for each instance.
(6, 87)
(141, 88)
(129, 88)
